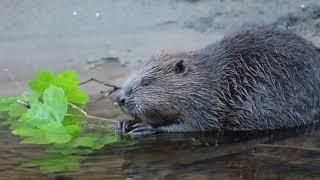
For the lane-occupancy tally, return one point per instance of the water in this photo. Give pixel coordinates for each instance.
(285, 154)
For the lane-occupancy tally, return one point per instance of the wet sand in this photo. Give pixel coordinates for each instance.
(61, 35)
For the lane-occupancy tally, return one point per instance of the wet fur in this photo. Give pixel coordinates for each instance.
(256, 79)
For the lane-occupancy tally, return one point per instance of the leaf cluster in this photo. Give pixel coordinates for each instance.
(47, 116)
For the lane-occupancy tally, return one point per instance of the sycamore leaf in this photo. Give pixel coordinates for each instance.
(68, 81)
(42, 81)
(77, 96)
(68, 78)
(45, 119)
(49, 121)
(55, 133)
(55, 99)
(32, 136)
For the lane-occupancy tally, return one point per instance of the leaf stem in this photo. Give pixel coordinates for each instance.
(78, 108)
(25, 103)
(86, 114)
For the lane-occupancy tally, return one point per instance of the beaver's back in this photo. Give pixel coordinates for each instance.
(257, 79)
(268, 79)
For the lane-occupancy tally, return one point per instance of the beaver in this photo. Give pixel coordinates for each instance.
(259, 78)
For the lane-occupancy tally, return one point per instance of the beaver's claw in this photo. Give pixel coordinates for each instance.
(141, 129)
(134, 128)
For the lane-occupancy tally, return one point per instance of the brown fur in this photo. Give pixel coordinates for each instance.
(256, 79)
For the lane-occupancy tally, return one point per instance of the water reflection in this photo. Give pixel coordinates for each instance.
(285, 154)
(232, 155)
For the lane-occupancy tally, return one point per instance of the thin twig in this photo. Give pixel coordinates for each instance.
(25, 103)
(92, 117)
(115, 88)
(100, 82)
(78, 108)
(85, 114)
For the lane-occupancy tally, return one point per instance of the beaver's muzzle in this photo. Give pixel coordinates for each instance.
(122, 100)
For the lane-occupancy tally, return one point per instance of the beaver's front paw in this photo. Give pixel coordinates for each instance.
(134, 128)
(121, 127)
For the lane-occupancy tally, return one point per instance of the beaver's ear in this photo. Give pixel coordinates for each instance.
(180, 67)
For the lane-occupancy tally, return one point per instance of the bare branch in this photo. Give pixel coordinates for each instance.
(115, 88)
(100, 82)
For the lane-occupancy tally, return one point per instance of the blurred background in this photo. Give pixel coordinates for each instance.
(108, 39)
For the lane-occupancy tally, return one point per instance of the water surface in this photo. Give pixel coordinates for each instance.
(285, 154)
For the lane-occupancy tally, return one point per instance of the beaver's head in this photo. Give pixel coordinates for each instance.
(157, 92)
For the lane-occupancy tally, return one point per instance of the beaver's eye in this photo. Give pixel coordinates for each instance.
(146, 82)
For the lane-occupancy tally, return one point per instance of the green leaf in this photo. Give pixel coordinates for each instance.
(55, 99)
(55, 163)
(74, 130)
(32, 136)
(42, 81)
(56, 133)
(88, 140)
(6, 102)
(68, 81)
(68, 78)
(77, 96)
(94, 140)
(17, 110)
(69, 120)
(49, 121)
(109, 139)
(84, 143)
(42, 123)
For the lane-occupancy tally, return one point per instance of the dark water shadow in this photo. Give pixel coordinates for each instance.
(227, 155)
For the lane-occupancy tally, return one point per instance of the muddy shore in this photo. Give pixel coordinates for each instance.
(91, 37)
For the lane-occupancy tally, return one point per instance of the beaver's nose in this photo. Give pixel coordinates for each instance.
(122, 98)
(122, 101)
